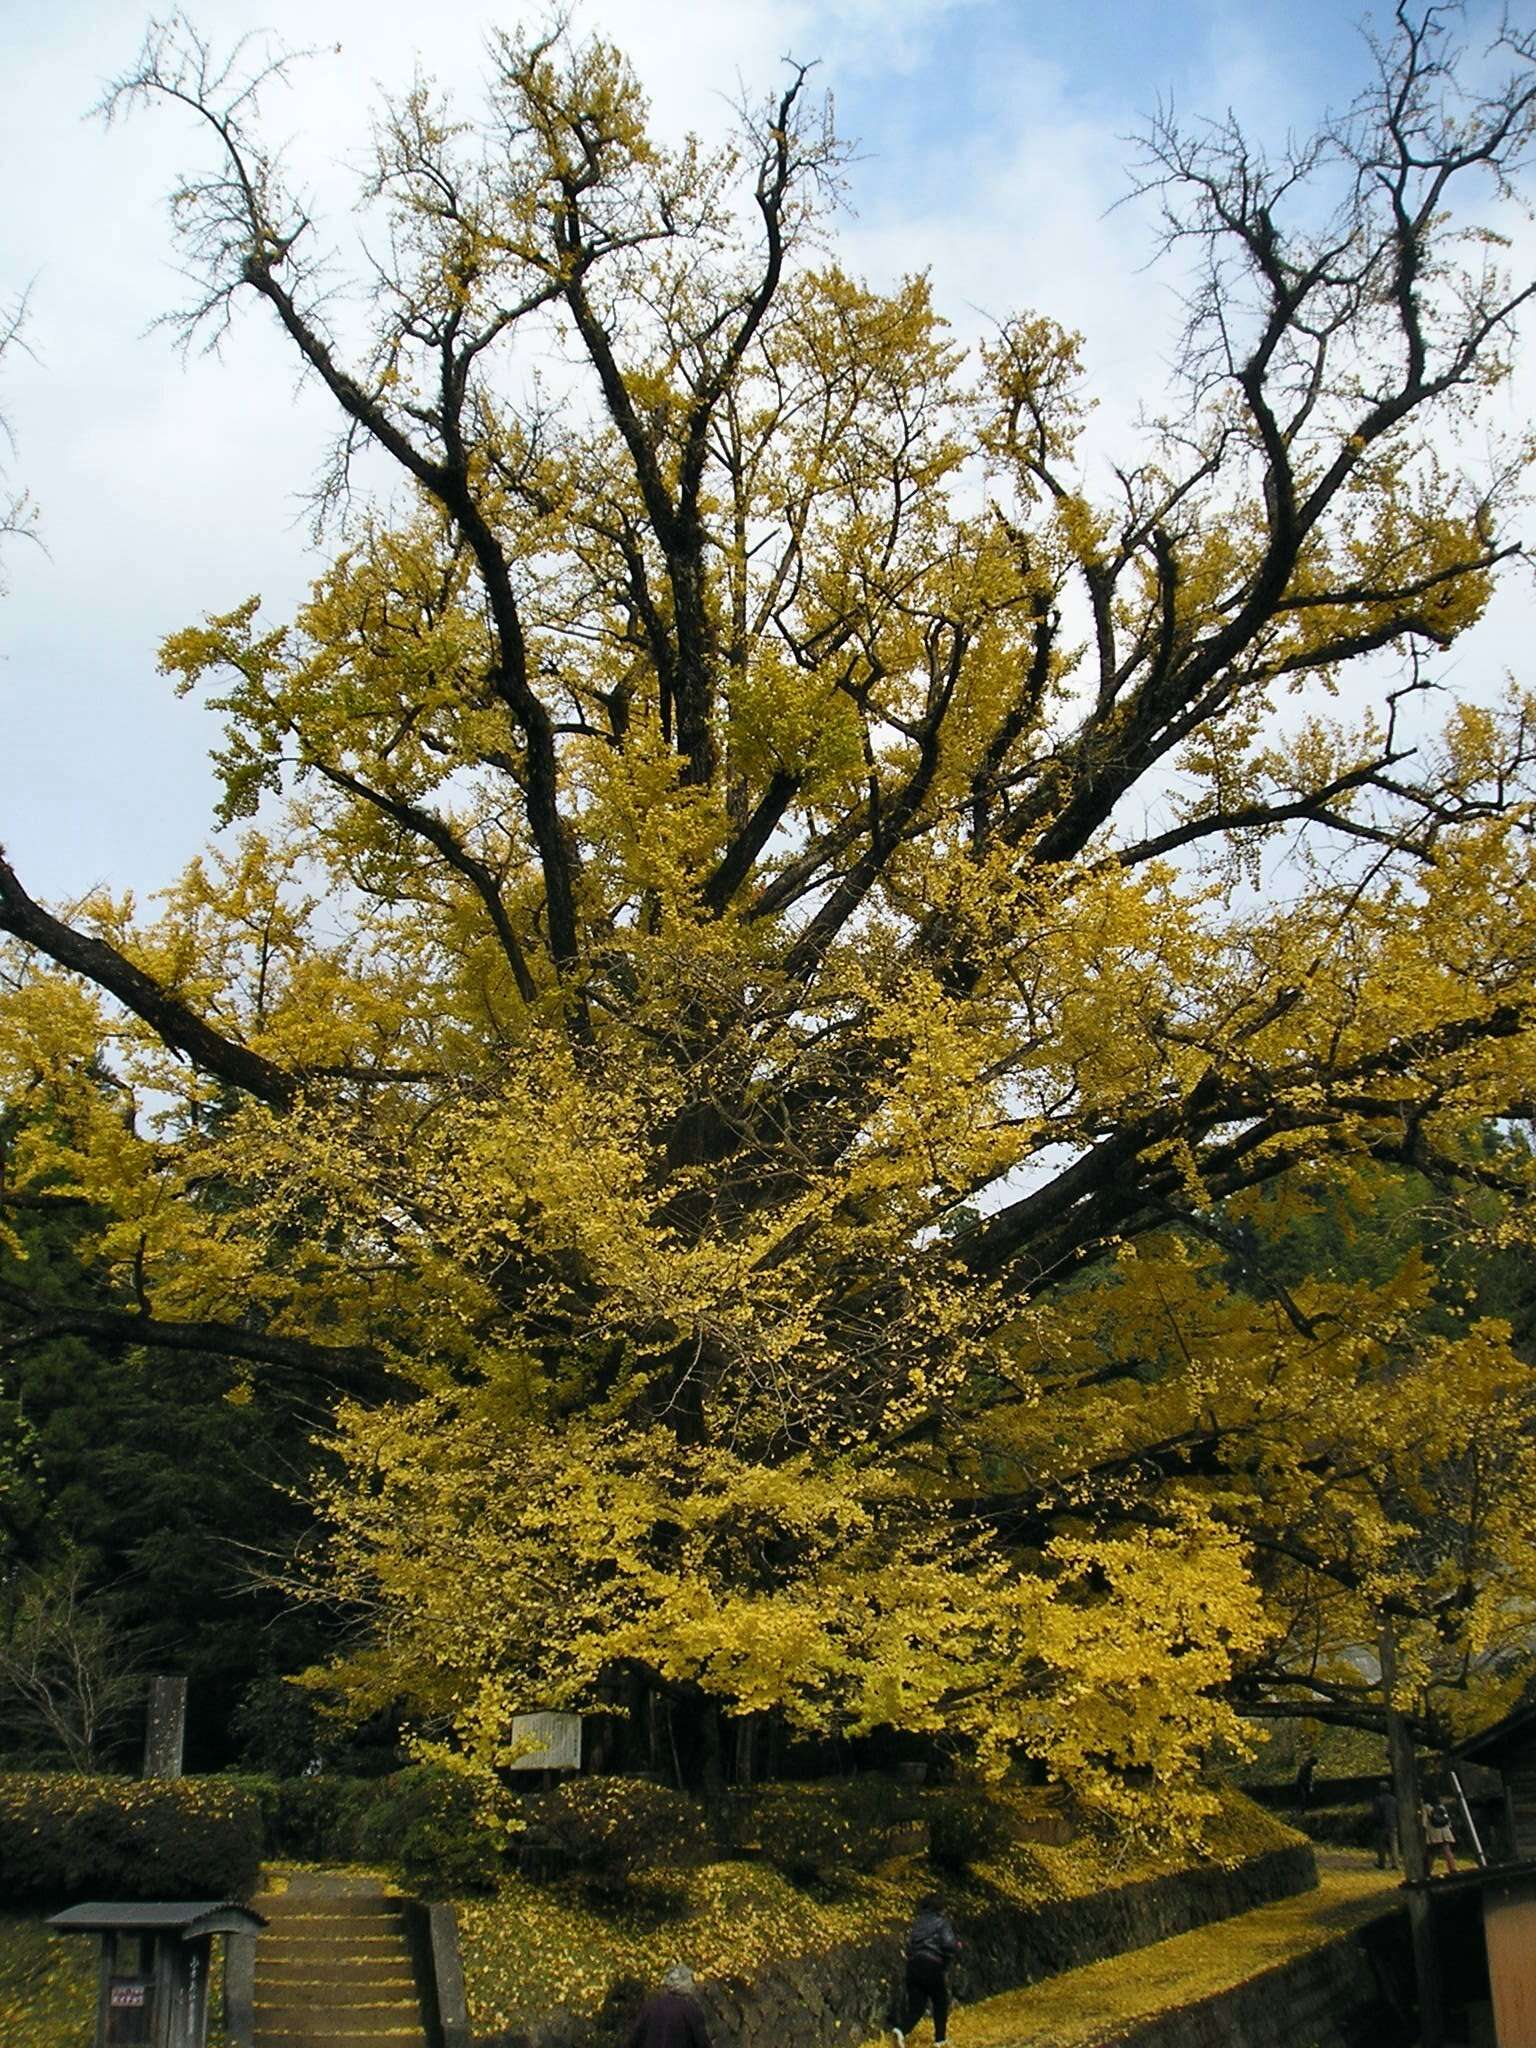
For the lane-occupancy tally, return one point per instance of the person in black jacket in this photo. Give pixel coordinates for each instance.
(931, 1947)
(670, 2017)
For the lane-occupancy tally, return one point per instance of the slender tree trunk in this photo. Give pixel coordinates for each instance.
(655, 1759)
(677, 1769)
(712, 1756)
(746, 1732)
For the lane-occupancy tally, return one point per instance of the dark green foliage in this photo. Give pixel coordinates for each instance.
(310, 1820)
(427, 1822)
(422, 1820)
(1387, 1212)
(814, 1832)
(1338, 1827)
(279, 1730)
(276, 1729)
(64, 1838)
(167, 1485)
(965, 1827)
(609, 1829)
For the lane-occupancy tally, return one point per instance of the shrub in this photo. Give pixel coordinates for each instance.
(966, 1826)
(609, 1829)
(1351, 1827)
(813, 1832)
(66, 1837)
(314, 1819)
(424, 1820)
(428, 1821)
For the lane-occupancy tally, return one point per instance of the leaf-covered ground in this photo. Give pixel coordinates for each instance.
(47, 1985)
(537, 1946)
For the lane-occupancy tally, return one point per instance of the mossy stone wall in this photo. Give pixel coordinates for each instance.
(1348, 1994)
(1011, 1947)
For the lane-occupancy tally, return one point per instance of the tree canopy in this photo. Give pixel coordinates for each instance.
(775, 929)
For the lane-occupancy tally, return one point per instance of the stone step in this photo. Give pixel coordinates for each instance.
(339, 1973)
(315, 2013)
(308, 2035)
(334, 1969)
(354, 1923)
(382, 2023)
(359, 1991)
(273, 1941)
(306, 1899)
(295, 1985)
(316, 1916)
(284, 1907)
(338, 1905)
(332, 1991)
(338, 2032)
(331, 1884)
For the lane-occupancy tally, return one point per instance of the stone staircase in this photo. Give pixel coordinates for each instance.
(334, 1967)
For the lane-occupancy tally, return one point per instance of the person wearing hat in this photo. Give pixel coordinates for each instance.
(671, 2017)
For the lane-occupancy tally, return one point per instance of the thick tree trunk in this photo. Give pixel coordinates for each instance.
(1405, 1784)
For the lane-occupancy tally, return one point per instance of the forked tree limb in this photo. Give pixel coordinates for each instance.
(224, 1059)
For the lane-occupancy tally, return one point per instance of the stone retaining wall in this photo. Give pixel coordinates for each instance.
(846, 1995)
(1006, 1949)
(1350, 1994)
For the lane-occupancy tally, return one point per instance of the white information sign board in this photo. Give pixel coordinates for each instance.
(557, 1740)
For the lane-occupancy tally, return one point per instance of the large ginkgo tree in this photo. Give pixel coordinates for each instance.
(772, 918)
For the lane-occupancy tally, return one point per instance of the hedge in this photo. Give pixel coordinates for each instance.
(311, 1820)
(608, 1830)
(428, 1822)
(966, 1826)
(423, 1820)
(814, 1832)
(65, 1838)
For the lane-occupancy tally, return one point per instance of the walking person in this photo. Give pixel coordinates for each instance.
(932, 1946)
(670, 2017)
(1435, 1817)
(1306, 1776)
(1384, 1824)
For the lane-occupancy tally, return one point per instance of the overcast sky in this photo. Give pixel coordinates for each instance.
(991, 137)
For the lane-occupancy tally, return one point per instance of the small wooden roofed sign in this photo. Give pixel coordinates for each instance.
(153, 1986)
(185, 1918)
